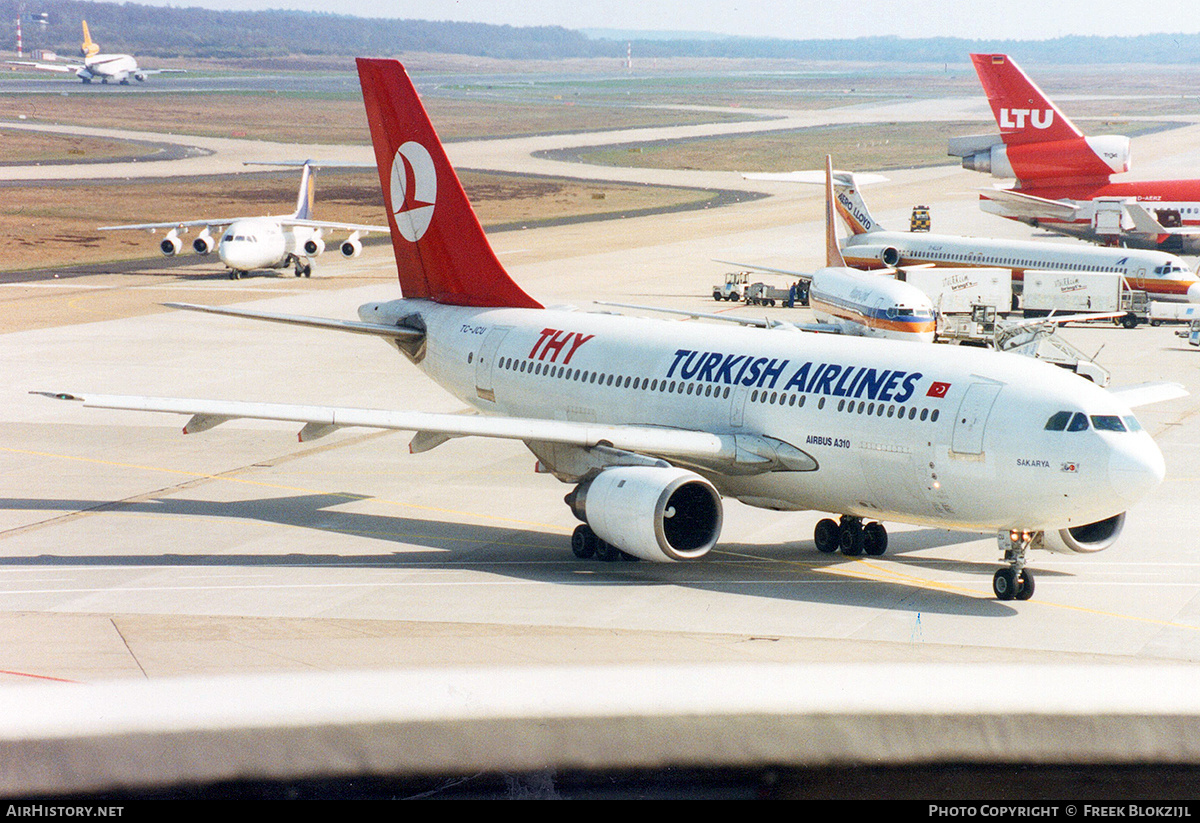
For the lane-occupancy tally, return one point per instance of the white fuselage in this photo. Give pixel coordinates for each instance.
(119, 67)
(871, 305)
(1161, 274)
(262, 243)
(944, 436)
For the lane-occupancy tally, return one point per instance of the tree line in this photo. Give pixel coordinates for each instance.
(151, 31)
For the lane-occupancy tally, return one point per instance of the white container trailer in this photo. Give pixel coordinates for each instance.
(1063, 292)
(957, 291)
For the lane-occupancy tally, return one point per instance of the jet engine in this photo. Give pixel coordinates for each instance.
(314, 246)
(662, 514)
(1061, 159)
(171, 244)
(352, 246)
(1092, 537)
(204, 243)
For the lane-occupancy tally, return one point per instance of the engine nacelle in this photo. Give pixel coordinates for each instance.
(1081, 157)
(352, 246)
(314, 246)
(171, 244)
(1092, 537)
(204, 243)
(655, 513)
(993, 161)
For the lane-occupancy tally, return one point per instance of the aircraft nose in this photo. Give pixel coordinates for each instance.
(1193, 293)
(1136, 468)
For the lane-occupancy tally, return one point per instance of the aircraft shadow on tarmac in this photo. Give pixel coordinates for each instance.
(780, 571)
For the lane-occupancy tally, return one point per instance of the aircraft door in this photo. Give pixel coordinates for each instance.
(484, 361)
(972, 417)
(737, 405)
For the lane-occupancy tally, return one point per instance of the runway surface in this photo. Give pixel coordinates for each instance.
(128, 550)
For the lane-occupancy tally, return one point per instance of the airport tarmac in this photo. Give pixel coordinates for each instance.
(131, 551)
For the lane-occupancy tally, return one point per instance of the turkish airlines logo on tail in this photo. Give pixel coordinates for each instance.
(1015, 118)
(413, 191)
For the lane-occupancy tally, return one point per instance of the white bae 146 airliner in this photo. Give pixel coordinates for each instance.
(654, 421)
(246, 244)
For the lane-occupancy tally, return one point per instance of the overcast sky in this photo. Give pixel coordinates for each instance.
(790, 19)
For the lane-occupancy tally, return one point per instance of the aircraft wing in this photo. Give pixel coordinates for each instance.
(324, 224)
(749, 452)
(762, 323)
(32, 64)
(800, 275)
(1146, 393)
(1018, 204)
(178, 224)
(162, 71)
(1059, 319)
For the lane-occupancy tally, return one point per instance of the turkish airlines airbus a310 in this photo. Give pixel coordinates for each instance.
(653, 422)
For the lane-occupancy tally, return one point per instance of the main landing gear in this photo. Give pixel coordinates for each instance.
(1014, 582)
(851, 536)
(586, 545)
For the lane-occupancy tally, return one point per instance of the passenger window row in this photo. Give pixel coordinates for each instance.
(778, 398)
(615, 380)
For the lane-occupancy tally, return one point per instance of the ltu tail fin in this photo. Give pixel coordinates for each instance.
(1023, 112)
(441, 251)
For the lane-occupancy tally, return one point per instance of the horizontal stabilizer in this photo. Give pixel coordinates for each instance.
(1017, 204)
(353, 326)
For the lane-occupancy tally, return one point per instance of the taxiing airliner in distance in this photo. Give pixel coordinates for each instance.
(246, 244)
(653, 422)
(1064, 178)
(1162, 275)
(844, 300)
(119, 68)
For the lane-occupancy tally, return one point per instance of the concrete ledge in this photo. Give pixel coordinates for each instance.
(139, 736)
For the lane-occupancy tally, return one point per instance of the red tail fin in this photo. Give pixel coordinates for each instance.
(441, 251)
(1022, 110)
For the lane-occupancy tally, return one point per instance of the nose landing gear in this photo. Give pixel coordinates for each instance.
(1014, 582)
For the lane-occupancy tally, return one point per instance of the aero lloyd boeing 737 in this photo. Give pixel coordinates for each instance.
(1063, 177)
(247, 244)
(1164, 276)
(652, 422)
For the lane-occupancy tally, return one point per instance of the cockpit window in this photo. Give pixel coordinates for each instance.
(1107, 423)
(1132, 423)
(1058, 421)
(1079, 422)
